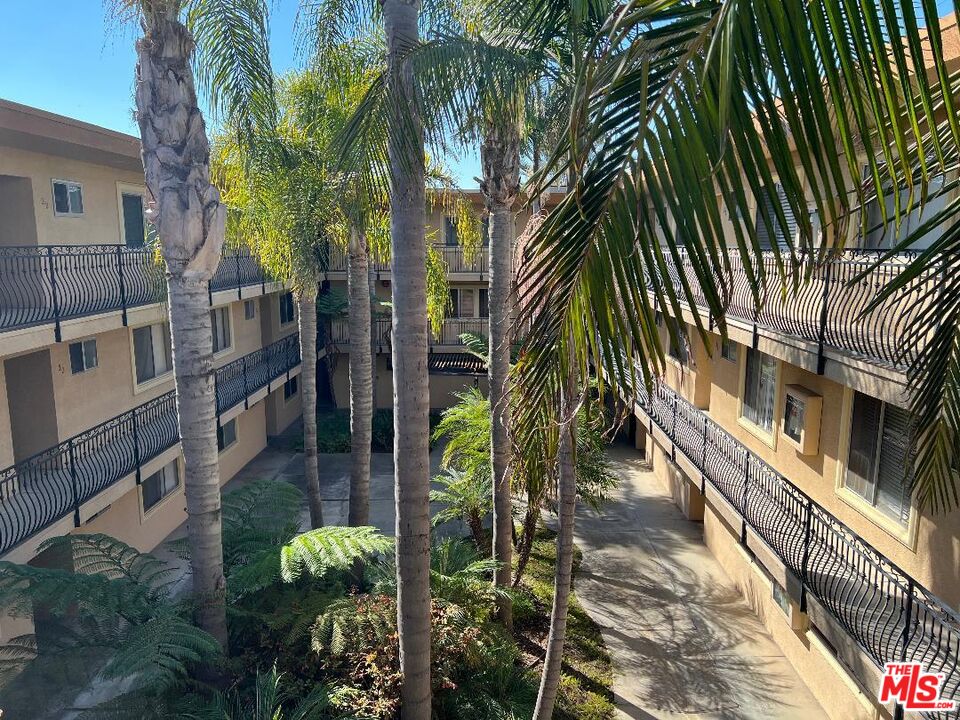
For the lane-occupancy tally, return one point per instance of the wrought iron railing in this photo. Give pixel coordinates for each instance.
(828, 307)
(52, 283)
(889, 615)
(49, 486)
(380, 332)
(458, 260)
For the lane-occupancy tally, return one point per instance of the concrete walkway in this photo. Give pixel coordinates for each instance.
(683, 640)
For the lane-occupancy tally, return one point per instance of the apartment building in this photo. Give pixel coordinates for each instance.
(451, 368)
(88, 426)
(788, 440)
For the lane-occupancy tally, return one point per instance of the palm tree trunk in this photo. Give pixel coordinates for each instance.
(525, 546)
(500, 159)
(361, 379)
(308, 383)
(411, 428)
(567, 502)
(190, 222)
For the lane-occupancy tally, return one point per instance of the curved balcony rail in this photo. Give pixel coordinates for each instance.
(458, 261)
(889, 615)
(827, 307)
(381, 330)
(51, 283)
(41, 490)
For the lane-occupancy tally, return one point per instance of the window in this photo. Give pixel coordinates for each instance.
(249, 310)
(454, 303)
(728, 350)
(878, 462)
(220, 328)
(769, 227)
(83, 356)
(67, 198)
(151, 349)
(290, 388)
(759, 389)
(484, 304)
(226, 435)
(679, 350)
(163, 482)
(286, 308)
(449, 231)
(134, 228)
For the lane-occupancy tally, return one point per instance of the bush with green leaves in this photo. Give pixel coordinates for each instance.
(112, 620)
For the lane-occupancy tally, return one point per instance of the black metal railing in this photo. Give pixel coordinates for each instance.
(50, 485)
(827, 307)
(381, 329)
(889, 615)
(457, 259)
(52, 283)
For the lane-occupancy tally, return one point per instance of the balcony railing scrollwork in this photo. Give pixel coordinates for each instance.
(829, 305)
(885, 611)
(43, 284)
(457, 259)
(53, 484)
(381, 329)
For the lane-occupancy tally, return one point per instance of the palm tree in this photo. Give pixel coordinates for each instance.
(670, 96)
(230, 40)
(411, 449)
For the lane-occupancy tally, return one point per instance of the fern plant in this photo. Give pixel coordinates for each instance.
(463, 497)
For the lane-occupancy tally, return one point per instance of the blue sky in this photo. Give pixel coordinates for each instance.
(69, 57)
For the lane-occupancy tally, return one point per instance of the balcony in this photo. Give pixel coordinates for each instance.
(826, 310)
(51, 485)
(458, 264)
(382, 329)
(53, 283)
(888, 615)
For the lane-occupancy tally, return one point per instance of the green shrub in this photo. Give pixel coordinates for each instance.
(333, 431)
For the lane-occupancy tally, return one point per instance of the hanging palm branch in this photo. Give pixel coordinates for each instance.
(686, 113)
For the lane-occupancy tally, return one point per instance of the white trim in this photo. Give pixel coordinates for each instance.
(905, 534)
(768, 438)
(159, 378)
(230, 347)
(53, 197)
(124, 188)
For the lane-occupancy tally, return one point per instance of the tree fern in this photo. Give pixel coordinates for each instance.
(318, 551)
(160, 652)
(354, 624)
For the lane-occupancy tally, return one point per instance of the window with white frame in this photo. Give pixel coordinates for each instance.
(878, 461)
(286, 308)
(67, 198)
(220, 328)
(159, 485)
(290, 388)
(226, 435)
(152, 352)
(83, 356)
(759, 389)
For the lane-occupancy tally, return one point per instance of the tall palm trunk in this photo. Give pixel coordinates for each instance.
(566, 502)
(361, 379)
(500, 159)
(190, 222)
(308, 383)
(411, 429)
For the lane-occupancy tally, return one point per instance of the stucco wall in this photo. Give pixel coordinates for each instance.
(125, 519)
(6, 439)
(928, 548)
(100, 222)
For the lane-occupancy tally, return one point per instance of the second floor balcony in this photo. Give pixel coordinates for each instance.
(829, 308)
(49, 284)
(381, 331)
(461, 263)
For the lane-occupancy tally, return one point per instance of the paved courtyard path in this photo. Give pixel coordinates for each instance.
(684, 642)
